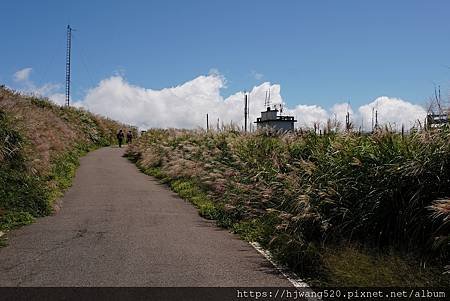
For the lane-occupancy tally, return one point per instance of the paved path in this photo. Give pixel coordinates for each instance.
(119, 227)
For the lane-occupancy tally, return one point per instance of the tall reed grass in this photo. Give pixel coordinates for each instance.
(382, 190)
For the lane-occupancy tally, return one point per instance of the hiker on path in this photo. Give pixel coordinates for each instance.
(129, 137)
(120, 136)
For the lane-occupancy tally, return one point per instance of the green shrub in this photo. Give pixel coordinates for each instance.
(27, 193)
(15, 219)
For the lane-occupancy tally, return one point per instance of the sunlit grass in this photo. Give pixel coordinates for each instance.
(301, 192)
(40, 144)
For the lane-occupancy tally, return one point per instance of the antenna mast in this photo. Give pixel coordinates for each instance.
(69, 46)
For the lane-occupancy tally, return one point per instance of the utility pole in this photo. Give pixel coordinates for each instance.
(372, 118)
(245, 111)
(207, 123)
(376, 119)
(347, 122)
(69, 46)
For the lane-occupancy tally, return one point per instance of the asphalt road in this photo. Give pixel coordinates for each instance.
(119, 227)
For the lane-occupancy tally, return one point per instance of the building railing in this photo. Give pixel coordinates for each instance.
(278, 118)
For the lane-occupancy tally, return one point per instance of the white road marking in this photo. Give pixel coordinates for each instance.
(290, 276)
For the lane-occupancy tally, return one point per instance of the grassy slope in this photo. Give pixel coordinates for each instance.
(40, 144)
(340, 209)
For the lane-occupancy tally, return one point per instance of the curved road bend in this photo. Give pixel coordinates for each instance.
(119, 227)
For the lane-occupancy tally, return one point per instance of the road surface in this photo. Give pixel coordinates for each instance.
(119, 227)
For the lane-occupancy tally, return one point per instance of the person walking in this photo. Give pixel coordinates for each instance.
(120, 136)
(129, 137)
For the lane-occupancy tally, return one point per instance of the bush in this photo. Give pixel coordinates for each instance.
(15, 219)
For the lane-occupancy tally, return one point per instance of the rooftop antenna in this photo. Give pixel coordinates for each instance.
(69, 48)
(438, 98)
(439, 89)
(265, 100)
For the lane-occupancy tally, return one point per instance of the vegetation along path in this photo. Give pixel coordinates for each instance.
(119, 227)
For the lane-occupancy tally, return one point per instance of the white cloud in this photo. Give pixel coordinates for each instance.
(393, 111)
(186, 105)
(307, 116)
(182, 106)
(59, 98)
(339, 111)
(27, 86)
(22, 75)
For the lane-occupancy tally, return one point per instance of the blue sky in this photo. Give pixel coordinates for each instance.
(319, 52)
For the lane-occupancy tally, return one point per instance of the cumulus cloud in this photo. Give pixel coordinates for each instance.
(340, 110)
(393, 111)
(307, 116)
(22, 75)
(186, 105)
(183, 106)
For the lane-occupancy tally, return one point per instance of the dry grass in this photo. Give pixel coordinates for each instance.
(353, 266)
(308, 191)
(51, 130)
(40, 144)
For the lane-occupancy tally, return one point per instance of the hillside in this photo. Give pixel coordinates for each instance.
(341, 209)
(40, 144)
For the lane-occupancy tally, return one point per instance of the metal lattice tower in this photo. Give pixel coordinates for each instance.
(69, 46)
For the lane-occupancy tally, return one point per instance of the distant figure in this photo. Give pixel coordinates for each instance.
(129, 137)
(120, 136)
